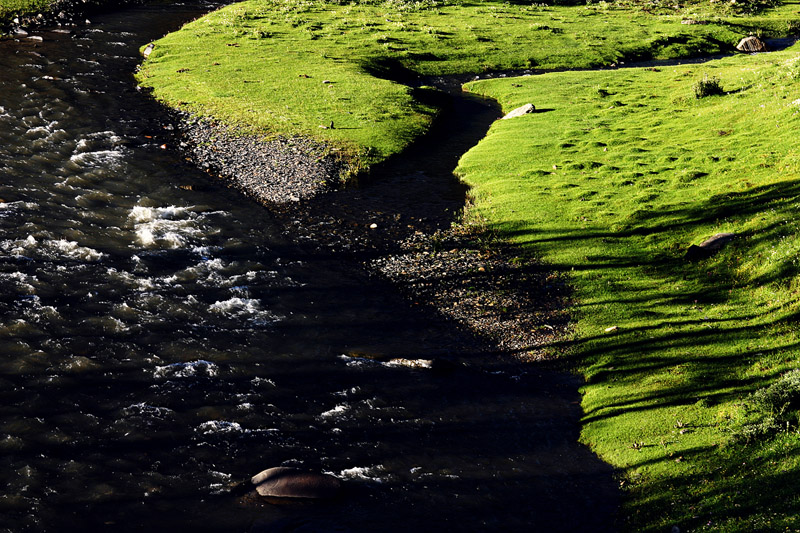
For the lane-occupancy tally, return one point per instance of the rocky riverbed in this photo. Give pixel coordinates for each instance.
(402, 225)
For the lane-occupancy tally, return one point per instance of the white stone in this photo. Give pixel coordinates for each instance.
(520, 111)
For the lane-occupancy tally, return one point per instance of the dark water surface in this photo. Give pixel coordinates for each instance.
(158, 343)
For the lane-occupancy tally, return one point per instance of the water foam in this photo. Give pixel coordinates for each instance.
(199, 368)
(364, 473)
(216, 427)
(98, 158)
(337, 411)
(50, 249)
(151, 411)
(166, 227)
(246, 308)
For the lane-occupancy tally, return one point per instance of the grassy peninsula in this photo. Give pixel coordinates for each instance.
(294, 67)
(690, 390)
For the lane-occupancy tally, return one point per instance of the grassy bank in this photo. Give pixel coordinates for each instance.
(13, 8)
(294, 67)
(51, 12)
(612, 179)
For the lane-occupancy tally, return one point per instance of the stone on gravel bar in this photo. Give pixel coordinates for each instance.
(272, 172)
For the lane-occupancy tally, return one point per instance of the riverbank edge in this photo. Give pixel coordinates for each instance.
(515, 305)
(58, 13)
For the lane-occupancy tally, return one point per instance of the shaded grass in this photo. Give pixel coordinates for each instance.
(612, 183)
(261, 65)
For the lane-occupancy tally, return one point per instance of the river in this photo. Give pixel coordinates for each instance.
(161, 340)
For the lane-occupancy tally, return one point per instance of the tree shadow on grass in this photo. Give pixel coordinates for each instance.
(672, 336)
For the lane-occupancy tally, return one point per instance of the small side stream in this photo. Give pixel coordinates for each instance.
(160, 339)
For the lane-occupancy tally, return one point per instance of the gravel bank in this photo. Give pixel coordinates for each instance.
(481, 283)
(272, 172)
(400, 226)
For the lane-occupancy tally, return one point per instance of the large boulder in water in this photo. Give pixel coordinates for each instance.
(286, 482)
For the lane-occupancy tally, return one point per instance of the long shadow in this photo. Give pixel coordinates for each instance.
(417, 193)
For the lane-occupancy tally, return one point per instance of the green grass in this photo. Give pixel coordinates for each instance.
(12, 8)
(262, 65)
(28, 10)
(612, 180)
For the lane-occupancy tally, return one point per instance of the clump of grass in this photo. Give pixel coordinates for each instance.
(708, 87)
(772, 409)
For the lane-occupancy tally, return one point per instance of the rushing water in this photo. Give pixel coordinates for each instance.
(160, 341)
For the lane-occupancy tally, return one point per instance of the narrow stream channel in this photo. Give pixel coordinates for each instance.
(160, 340)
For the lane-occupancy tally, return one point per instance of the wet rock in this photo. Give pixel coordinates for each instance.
(410, 363)
(709, 247)
(751, 44)
(520, 111)
(287, 482)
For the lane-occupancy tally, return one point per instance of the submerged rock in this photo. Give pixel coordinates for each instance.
(287, 482)
(751, 44)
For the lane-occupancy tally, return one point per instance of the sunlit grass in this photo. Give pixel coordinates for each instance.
(611, 180)
(262, 65)
(11, 8)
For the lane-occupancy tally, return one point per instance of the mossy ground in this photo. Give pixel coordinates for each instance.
(613, 177)
(293, 67)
